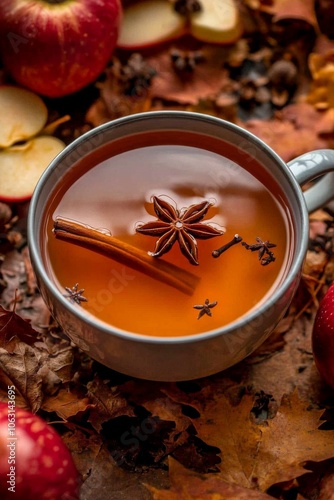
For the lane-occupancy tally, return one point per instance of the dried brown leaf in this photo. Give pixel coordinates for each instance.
(205, 82)
(107, 401)
(66, 404)
(284, 138)
(188, 485)
(151, 396)
(20, 368)
(301, 10)
(85, 450)
(259, 456)
(13, 328)
(107, 481)
(57, 360)
(314, 264)
(298, 128)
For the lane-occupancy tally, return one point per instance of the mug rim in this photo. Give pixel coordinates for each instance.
(96, 323)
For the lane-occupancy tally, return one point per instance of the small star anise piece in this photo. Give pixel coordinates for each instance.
(186, 61)
(183, 226)
(266, 256)
(75, 295)
(135, 75)
(205, 308)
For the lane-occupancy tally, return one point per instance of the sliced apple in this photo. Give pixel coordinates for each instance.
(23, 115)
(21, 166)
(217, 22)
(150, 23)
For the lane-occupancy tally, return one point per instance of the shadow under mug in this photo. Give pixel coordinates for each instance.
(194, 356)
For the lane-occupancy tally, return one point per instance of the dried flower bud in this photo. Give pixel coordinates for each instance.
(135, 75)
(283, 74)
(187, 7)
(186, 61)
(5, 216)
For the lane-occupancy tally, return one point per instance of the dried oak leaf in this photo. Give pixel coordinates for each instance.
(259, 456)
(13, 328)
(58, 362)
(20, 368)
(190, 485)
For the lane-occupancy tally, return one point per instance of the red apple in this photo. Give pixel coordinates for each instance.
(57, 47)
(323, 337)
(35, 464)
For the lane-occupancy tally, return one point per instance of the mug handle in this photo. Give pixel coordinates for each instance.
(308, 167)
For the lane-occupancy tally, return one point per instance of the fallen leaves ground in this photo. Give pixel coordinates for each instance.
(265, 427)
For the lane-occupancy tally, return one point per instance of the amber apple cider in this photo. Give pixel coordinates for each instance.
(112, 190)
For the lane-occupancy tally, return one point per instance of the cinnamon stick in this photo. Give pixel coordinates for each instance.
(135, 258)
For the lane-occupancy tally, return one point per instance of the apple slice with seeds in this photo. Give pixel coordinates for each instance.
(217, 22)
(22, 165)
(150, 23)
(23, 115)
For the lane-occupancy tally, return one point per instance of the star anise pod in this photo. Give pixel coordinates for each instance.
(183, 226)
(266, 256)
(135, 75)
(75, 295)
(205, 308)
(186, 61)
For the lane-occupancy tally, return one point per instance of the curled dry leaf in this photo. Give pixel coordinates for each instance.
(301, 10)
(67, 404)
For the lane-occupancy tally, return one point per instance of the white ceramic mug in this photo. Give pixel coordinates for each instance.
(194, 356)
